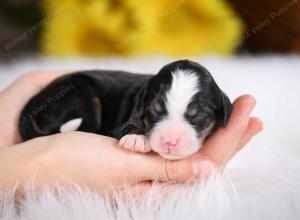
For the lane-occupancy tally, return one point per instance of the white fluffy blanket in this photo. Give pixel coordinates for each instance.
(261, 182)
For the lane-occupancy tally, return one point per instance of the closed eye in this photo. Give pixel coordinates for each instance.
(155, 112)
(197, 115)
(199, 121)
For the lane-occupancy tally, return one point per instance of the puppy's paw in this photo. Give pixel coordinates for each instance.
(135, 143)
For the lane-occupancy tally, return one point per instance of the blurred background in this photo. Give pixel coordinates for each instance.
(102, 28)
(249, 46)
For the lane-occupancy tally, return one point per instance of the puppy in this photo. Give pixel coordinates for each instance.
(171, 113)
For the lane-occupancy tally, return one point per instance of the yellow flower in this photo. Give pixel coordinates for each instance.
(126, 27)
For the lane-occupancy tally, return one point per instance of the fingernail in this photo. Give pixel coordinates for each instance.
(250, 98)
(202, 168)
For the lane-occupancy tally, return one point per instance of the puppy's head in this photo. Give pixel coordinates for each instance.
(181, 106)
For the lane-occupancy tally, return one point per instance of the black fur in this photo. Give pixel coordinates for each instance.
(115, 103)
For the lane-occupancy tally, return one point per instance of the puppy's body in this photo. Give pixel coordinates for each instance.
(103, 99)
(171, 112)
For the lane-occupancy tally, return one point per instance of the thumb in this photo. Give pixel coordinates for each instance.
(154, 167)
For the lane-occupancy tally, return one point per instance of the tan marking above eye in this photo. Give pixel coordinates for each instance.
(157, 107)
(194, 110)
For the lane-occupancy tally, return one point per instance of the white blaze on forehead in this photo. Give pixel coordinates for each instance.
(183, 87)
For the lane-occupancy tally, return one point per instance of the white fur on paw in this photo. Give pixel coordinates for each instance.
(71, 125)
(134, 142)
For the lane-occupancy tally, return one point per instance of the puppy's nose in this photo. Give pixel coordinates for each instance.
(169, 142)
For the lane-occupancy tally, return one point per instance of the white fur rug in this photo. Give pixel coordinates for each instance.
(261, 182)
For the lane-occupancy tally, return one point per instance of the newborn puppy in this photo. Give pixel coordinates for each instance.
(170, 113)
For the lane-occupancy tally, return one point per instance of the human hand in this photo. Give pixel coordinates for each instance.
(57, 157)
(14, 98)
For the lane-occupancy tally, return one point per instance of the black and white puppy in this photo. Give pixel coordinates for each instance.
(170, 113)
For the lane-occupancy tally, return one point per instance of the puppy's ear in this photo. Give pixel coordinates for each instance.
(138, 110)
(225, 109)
(135, 122)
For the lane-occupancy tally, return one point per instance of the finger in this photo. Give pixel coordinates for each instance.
(154, 167)
(255, 125)
(224, 142)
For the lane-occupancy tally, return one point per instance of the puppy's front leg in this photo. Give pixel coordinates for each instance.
(135, 143)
